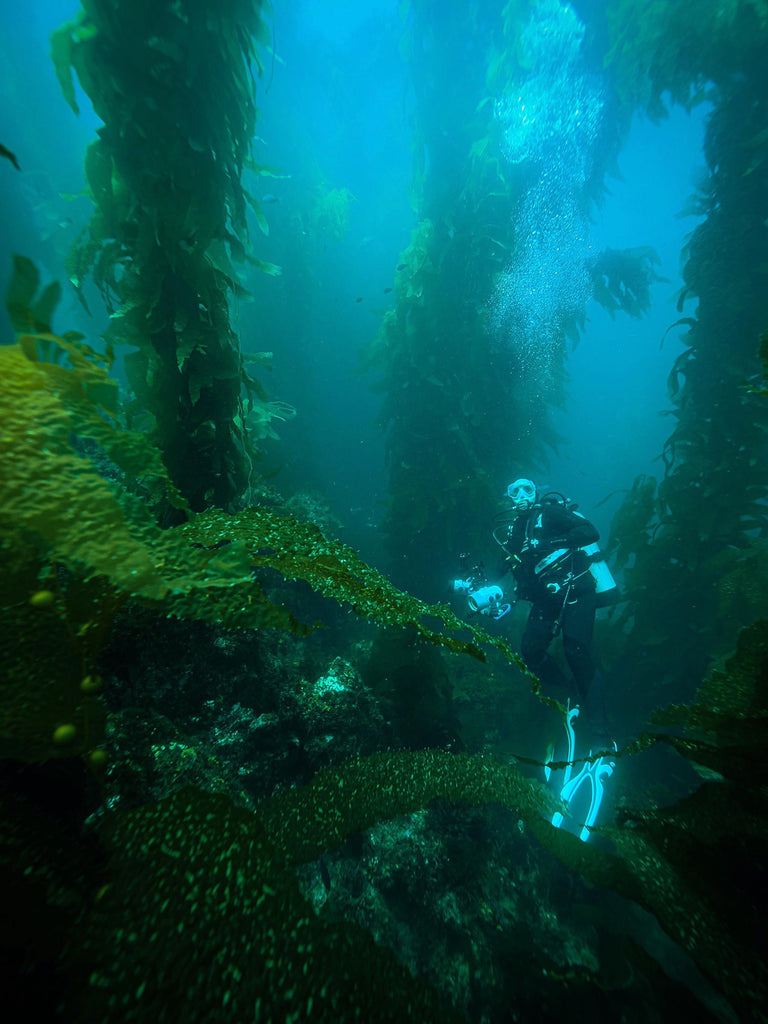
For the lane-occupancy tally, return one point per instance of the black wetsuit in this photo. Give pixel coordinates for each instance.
(562, 594)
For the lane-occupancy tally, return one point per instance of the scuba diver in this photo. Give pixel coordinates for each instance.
(552, 552)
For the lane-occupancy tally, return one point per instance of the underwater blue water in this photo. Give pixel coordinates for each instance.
(338, 109)
(614, 421)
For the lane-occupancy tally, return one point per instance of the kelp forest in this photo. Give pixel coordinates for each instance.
(261, 760)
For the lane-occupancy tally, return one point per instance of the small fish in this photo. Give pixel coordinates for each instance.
(9, 156)
(359, 298)
(61, 225)
(401, 266)
(269, 198)
(387, 291)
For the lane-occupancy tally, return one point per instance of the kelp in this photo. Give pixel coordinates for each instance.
(79, 499)
(75, 517)
(428, 347)
(73, 548)
(698, 865)
(77, 545)
(71, 511)
(730, 713)
(8, 155)
(684, 865)
(52, 633)
(661, 47)
(697, 563)
(446, 372)
(622, 279)
(329, 215)
(632, 524)
(715, 841)
(223, 922)
(30, 310)
(300, 551)
(443, 440)
(763, 355)
(223, 927)
(174, 86)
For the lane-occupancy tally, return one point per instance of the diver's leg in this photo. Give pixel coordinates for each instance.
(578, 625)
(597, 715)
(537, 637)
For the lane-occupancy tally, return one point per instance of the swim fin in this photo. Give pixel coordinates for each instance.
(593, 774)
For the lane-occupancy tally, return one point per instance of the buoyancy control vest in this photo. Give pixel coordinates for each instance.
(559, 568)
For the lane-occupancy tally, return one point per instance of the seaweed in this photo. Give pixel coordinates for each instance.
(464, 399)
(202, 568)
(621, 280)
(223, 927)
(665, 53)
(85, 539)
(694, 569)
(175, 90)
(8, 155)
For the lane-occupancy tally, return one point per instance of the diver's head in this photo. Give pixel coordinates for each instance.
(522, 494)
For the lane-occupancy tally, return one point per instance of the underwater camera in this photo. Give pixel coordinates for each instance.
(483, 597)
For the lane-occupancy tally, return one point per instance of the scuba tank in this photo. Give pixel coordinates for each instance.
(552, 569)
(606, 587)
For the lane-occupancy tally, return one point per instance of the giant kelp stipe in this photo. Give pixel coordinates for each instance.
(305, 287)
